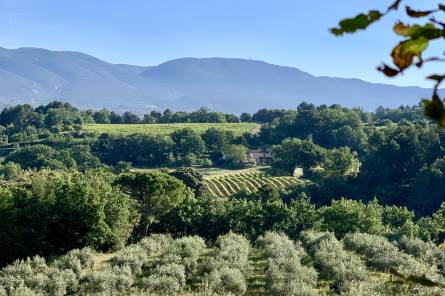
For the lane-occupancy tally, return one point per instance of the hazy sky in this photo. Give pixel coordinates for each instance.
(149, 32)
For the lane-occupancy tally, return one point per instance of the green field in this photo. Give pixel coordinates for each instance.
(227, 183)
(166, 129)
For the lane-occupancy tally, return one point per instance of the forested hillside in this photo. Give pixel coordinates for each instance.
(37, 75)
(351, 201)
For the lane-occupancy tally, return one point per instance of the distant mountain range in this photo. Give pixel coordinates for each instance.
(38, 76)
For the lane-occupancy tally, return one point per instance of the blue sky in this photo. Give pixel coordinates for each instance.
(149, 32)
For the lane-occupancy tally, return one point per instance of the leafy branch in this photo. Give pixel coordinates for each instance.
(408, 52)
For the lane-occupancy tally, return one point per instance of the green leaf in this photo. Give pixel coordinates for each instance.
(403, 54)
(360, 22)
(428, 31)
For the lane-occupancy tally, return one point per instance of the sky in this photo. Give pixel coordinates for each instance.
(149, 32)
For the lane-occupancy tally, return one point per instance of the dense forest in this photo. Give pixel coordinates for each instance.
(371, 194)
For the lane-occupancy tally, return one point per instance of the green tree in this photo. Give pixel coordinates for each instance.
(130, 118)
(296, 152)
(245, 117)
(344, 216)
(102, 116)
(340, 162)
(156, 194)
(51, 212)
(192, 179)
(10, 170)
(235, 154)
(188, 141)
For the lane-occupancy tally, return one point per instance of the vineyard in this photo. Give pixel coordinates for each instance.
(250, 180)
(316, 264)
(166, 129)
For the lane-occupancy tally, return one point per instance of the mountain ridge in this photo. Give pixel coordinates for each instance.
(37, 76)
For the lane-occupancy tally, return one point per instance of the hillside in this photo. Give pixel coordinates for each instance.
(231, 85)
(319, 264)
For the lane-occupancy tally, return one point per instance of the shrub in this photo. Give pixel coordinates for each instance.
(189, 249)
(334, 263)
(277, 245)
(24, 291)
(289, 277)
(132, 256)
(233, 251)
(424, 251)
(155, 243)
(391, 288)
(60, 282)
(385, 256)
(228, 268)
(114, 280)
(34, 275)
(76, 260)
(172, 270)
(285, 273)
(161, 284)
(227, 280)
(69, 263)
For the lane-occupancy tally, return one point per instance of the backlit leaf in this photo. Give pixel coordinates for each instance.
(428, 31)
(403, 54)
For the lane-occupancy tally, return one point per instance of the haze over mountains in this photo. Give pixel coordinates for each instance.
(38, 76)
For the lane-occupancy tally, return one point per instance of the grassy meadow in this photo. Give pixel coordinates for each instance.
(168, 128)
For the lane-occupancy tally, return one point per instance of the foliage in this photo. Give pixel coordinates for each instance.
(383, 255)
(156, 194)
(187, 141)
(408, 52)
(62, 211)
(228, 268)
(345, 216)
(43, 156)
(35, 276)
(234, 154)
(133, 257)
(76, 260)
(110, 281)
(333, 261)
(188, 250)
(285, 273)
(192, 179)
(227, 280)
(232, 251)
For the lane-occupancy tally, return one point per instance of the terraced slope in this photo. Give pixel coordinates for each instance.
(250, 180)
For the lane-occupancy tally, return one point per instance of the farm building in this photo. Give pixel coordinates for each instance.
(261, 156)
